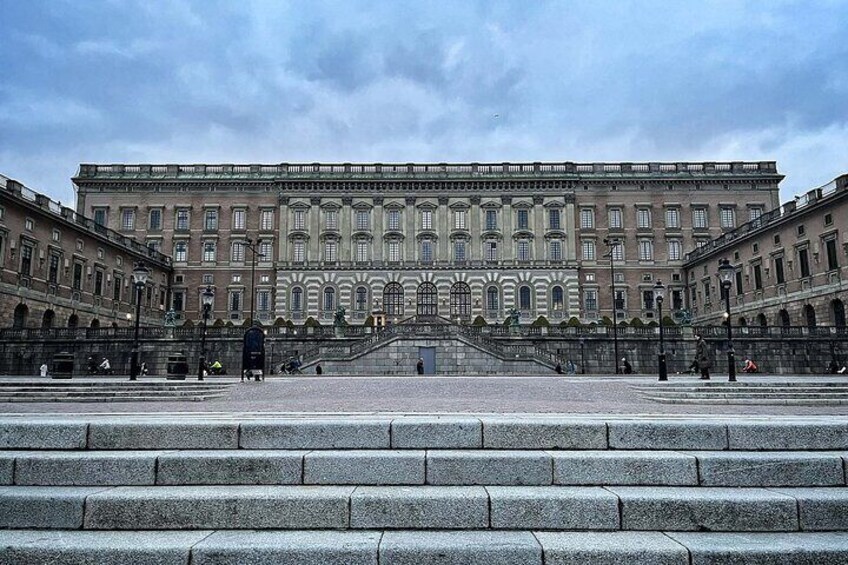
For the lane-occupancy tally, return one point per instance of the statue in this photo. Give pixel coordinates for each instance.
(339, 317)
(170, 319)
(514, 316)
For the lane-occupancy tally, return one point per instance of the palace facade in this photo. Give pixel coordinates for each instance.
(454, 240)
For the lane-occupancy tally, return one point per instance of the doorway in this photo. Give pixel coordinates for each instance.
(428, 354)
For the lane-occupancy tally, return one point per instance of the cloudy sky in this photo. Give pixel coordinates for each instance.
(271, 81)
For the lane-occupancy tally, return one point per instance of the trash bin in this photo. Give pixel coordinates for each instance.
(177, 367)
(63, 365)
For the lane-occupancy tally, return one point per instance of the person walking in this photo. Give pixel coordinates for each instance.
(419, 367)
(318, 369)
(558, 369)
(703, 357)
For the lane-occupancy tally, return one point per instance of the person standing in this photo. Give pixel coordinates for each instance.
(43, 369)
(703, 356)
(318, 369)
(419, 367)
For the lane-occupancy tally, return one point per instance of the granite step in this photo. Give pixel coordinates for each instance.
(101, 398)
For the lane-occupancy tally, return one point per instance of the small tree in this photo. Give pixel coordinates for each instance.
(247, 323)
(623, 324)
(369, 321)
(540, 322)
(230, 324)
(312, 323)
(219, 323)
(479, 322)
(290, 324)
(653, 324)
(605, 321)
(188, 324)
(279, 322)
(574, 322)
(668, 321)
(637, 323)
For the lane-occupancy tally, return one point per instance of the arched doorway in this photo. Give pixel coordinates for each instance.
(809, 316)
(460, 301)
(95, 323)
(428, 299)
(783, 319)
(393, 299)
(761, 320)
(837, 309)
(73, 321)
(48, 318)
(19, 318)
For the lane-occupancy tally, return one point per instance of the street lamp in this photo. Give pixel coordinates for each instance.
(659, 296)
(726, 272)
(139, 275)
(251, 246)
(611, 245)
(208, 297)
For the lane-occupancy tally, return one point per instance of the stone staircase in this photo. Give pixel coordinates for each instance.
(111, 390)
(422, 490)
(799, 393)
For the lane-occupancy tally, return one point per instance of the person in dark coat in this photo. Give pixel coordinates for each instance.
(627, 367)
(419, 367)
(703, 356)
(318, 369)
(558, 369)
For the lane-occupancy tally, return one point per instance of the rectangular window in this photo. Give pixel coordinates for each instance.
(706, 291)
(237, 252)
(239, 219)
(591, 297)
(263, 300)
(100, 216)
(77, 283)
(617, 252)
(804, 262)
(758, 277)
(643, 218)
(330, 251)
(361, 302)
(588, 250)
(778, 270)
(179, 301)
(266, 251)
(128, 219)
(210, 220)
(427, 251)
(363, 220)
(182, 219)
(53, 271)
(587, 219)
(728, 217)
(672, 218)
(523, 219)
(646, 250)
(209, 251)
(181, 251)
(154, 220)
(459, 251)
(57, 235)
(754, 213)
(676, 299)
(117, 287)
(832, 257)
(235, 301)
(299, 219)
(362, 251)
(393, 220)
(266, 220)
(648, 299)
(331, 220)
(523, 250)
(427, 220)
(299, 252)
(739, 289)
(154, 244)
(802, 231)
(98, 283)
(459, 217)
(491, 248)
(491, 220)
(675, 250)
(615, 219)
(699, 218)
(555, 251)
(394, 251)
(554, 219)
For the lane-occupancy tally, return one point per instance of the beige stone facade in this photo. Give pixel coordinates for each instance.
(58, 269)
(791, 265)
(456, 240)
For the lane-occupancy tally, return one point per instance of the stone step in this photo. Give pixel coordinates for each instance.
(101, 398)
(742, 384)
(718, 509)
(750, 395)
(227, 547)
(751, 401)
(122, 383)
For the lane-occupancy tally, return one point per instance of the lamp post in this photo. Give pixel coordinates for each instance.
(139, 275)
(208, 297)
(726, 272)
(251, 246)
(659, 296)
(611, 245)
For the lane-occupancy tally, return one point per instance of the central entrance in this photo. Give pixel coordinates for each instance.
(428, 298)
(428, 354)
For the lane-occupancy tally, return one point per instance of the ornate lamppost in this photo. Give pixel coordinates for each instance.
(139, 275)
(726, 272)
(659, 296)
(611, 245)
(208, 297)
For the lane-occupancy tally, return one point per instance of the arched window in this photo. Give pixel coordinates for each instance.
(393, 299)
(73, 321)
(95, 323)
(19, 318)
(48, 319)
(837, 308)
(557, 299)
(492, 299)
(524, 301)
(809, 316)
(460, 301)
(428, 298)
(783, 319)
(360, 303)
(761, 320)
(297, 299)
(329, 299)
(742, 322)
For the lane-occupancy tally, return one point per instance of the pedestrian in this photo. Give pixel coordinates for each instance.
(143, 370)
(570, 367)
(558, 368)
(318, 369)
(419, 367)
(703, 357)
(750, 367)
(43, 369)
(628, 368)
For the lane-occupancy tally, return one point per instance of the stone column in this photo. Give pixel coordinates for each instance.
(408, 229)
(314, 253)
(569, 221)
(539, 226)
(345, 230)
(474, 250)
(377, 229)
(283, 253)
(443, 221)
(508, 245)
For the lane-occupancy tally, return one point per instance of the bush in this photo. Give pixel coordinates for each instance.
(290, 324)
(606, 321)
(653, 324)
(574, 322)
(668, 321)
(623, 324)
(219, 323)
(369, 321)
(312, 323)
(230, 324)
(279, 323)
(540, 322)
(188, 324)
(479, 322)
(637, 323)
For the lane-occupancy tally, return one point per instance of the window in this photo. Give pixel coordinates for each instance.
(428, 299)
(778, 270)
(394, 251)
(77, 282)
(828, 219)
(554, 219)
(591, 299)
(676, 299)
(265, 278)
(758, 277)
(427, 251)
(329, 299)
(646, 250)
(266, 220)
(459, 219)
(615, 219)
(492, 299)
(299, 251)
(460, 300)
(672, 218)
(179, 301)
(361, 250)
(57, 235)
(237, 252)
(361, 301)
(263, 300)
(29, 225)
(555, 250)
(330, 251)
(587, 219)
(756, 248)
(235, 301)
(181, 251)
(98, 282)
(648, 299)
(209, 251)
(182, 220)
(393, 299)
(802, 231)
(154, 220)
(210, 220)
(699, 218)
(524, 298)
(674, 250)
(491, 250)
(523, 219)
(557, 298)
(53, 270)
(617, 252)
(426, 219)
(804, 262)
(208, 279)
(127, 219)
(523, 250)
(588, 250)
(154, 245)
(299, 219)
(459, 250)
(363, 220)
(590, 277)
(100, 253)
(266, 252)
(239, 219)
(832, 257)
(643, 218)
(754, 213)
(117, 287)
(620, 303)
(491, 220)
(331, 220)
(393, 222)
(728, 217)
(297, 299)
(100, 216)
(236, 278)
(706, 285)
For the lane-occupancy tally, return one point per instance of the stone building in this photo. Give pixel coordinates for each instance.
(454, 240)
(59, 269)
(791, 265)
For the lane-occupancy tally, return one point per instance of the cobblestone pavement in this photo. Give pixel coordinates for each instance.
(350, 395)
